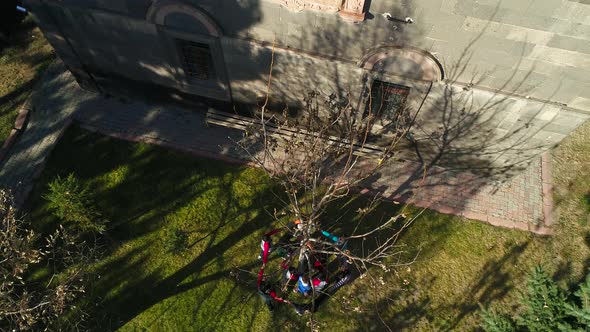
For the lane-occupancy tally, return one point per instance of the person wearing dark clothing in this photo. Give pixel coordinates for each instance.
(289, 275)
(344, 261)
(302, 267)
(301, 308)
(269, 296)
(342, 278)
(318, 262)
(289, 239)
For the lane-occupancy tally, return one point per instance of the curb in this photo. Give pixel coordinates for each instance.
(164, 143)
(547, 179)
(24, 192)
(20, 124)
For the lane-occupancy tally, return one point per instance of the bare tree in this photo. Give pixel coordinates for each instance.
(39, 277)
(320, 155)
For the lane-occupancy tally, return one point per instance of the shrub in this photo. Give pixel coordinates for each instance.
(545, 303)
(493, 322)
(42, 276)
(71, 201)
(547, 307)
(176, 241)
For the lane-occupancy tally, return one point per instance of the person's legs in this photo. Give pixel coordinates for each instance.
(299, 308)
(267, 300)
(317, 302)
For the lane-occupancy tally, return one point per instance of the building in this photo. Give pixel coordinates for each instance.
(496, 82)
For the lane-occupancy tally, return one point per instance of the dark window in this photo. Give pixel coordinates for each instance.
(196, 59)
(387, 100)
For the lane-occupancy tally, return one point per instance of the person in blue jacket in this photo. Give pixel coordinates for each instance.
(303, 286)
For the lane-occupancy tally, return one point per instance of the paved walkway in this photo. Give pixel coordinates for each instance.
(519, 203)
(54, 100)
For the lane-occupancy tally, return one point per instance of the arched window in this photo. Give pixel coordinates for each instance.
(394, 72)
(192, 40)
(405, 62)
(176, 14)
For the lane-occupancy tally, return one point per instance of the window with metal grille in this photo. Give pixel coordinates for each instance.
(196, 59)
(387, 100)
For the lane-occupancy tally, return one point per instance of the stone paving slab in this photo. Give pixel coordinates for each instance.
(522, 203)
(53, 101)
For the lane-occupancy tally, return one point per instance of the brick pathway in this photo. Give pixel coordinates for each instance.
(520, 203)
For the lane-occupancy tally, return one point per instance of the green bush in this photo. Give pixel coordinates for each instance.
(176, 241)
(547, 307)
(72, 202)
(493, 322)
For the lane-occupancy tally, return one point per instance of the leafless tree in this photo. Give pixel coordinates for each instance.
(40, 277)
(319, 156)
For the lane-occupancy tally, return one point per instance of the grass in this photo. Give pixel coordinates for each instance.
(147, 192)
(21, 64)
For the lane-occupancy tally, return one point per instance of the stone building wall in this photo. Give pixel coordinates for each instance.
(500, 81)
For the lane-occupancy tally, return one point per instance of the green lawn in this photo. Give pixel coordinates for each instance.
(21, 64)
(146, 192)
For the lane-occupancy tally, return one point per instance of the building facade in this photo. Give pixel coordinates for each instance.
(494, 83)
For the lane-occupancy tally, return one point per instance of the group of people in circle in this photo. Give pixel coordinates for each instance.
(311, 278)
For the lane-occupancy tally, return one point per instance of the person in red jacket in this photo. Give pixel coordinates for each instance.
(319, 282)
(266, 245)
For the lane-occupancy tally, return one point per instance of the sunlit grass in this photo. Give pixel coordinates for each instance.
(147, 191)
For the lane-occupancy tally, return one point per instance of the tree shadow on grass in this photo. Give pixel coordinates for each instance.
(129, 269)
(135, 188)
(586, 201)
(134, 299)
(123, 201)
(403, 306)
(494, 283)
(156, 189)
